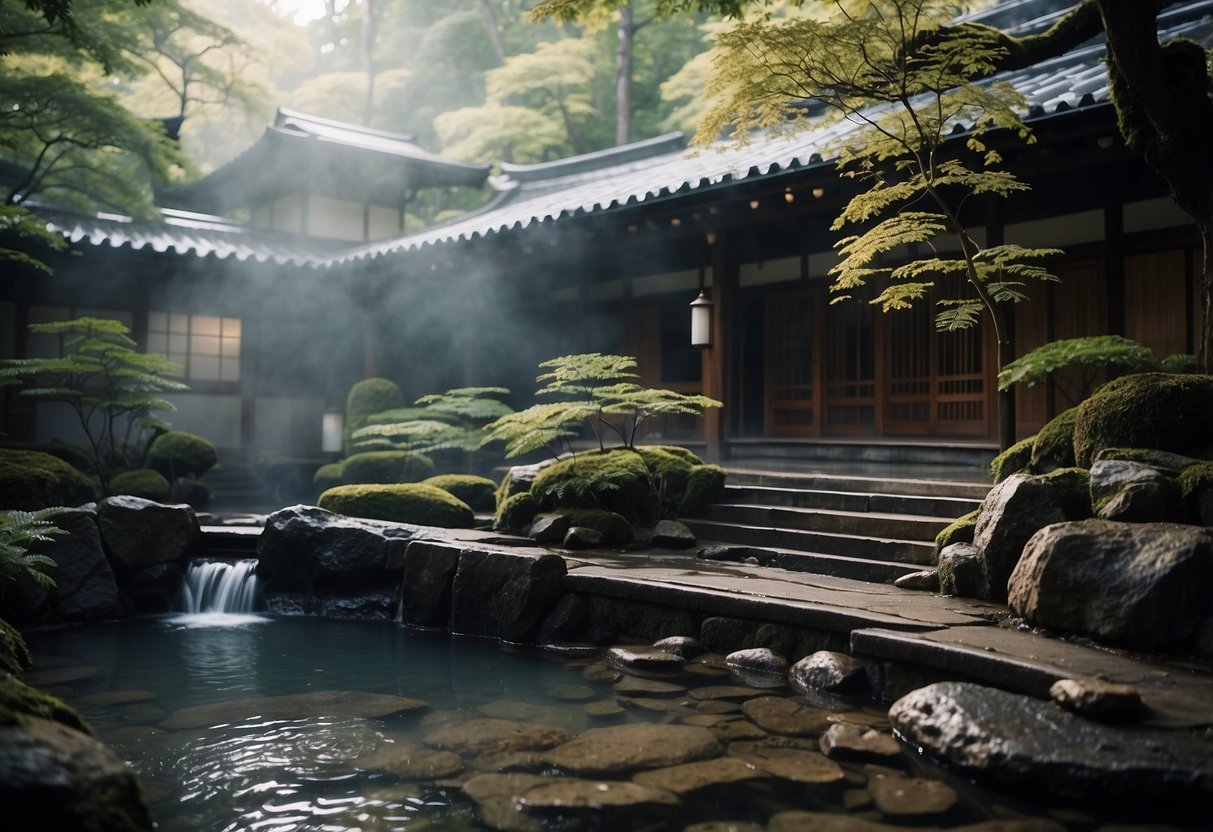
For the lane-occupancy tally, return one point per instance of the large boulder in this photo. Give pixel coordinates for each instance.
(1142, 584)
(504, 594)
(1150, 410)
(148, 545)
(962, 571)
(1033, 746)
(1133, 492)
(1011, 513)
(429, 575)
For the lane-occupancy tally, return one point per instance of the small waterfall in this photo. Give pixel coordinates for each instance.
(218, 586)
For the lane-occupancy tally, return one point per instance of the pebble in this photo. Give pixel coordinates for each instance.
(601, 672)
(643, 658)
(925, 581)
(1102, 701)
(827, 670)
(851, 742)
(691, 777)
(903, 797)
(636, 686)
(622, 748)
(786, 716)
(718, 706)
(795, 764)
(685, 647)
(602, 709)
(726, 692)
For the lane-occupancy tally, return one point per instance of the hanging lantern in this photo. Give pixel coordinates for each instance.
(331, 430)
(701, 320)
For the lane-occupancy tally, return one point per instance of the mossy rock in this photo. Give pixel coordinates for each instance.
(1074, 486)
(18, 700)
(141, 482)
(1014, 459)
(1147, 410)
(14, 655)
(32, 480)
(616, 480)
(616, 530)
(1054, 446)
(959, 530)
(180, 454)
(422, 505)
(365, 399)
(374, 467)
(669, 470)
(477, 492)
(705, 485)
(515, 514)
(1194, 478)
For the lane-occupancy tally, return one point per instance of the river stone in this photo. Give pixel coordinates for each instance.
(85, 587)
(411, 763)
(962, 571)
(1143, 584)
(622, 748)
(648, 659)
(1133, 492)
(851, 742)
(504, 594)
(602, 710)
(911, 797)
(494, 736)
(1010, 514)
(294, 706)
(572, 693)
(926, 580)
(738, 729)
(523, 711)
(428, 577)
(690, 777)
(799, 765)
(1095, 699)
(600, 672)
(671, 707)
(549, 529)
(1034, 746)
(582, 537)
(635, 686)
(139, 533)
(728, 693)
(829, 671)
(670, 534)
(559, 795)
(786, 716)
(53, 777)
(308, 549)
(494, 796)
(760, 660)
(684, 647)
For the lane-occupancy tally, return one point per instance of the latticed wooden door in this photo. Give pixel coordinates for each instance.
(791, 405)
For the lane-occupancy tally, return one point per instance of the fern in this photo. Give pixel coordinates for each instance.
(18, 531)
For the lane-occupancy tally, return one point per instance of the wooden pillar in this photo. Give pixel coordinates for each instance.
(719, 358)
(1114, 267)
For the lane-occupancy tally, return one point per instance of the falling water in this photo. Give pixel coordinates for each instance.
(217, 591)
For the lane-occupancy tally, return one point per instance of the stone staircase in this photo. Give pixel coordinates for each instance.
(234, 488)
(872, 528)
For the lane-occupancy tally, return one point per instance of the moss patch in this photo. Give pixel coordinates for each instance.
(477, 492)
(141, 482)
(423, 505)
(1054, 447)
(18, 700)
(1148, 410)
(14, 655)
(386, 467)
(515, 514)
(1195, 478)
(616, 530)
(1074, 486)
(180, 454)
(32, 480)
(616, 480)
(1013, 460)
(705, 484)
(959, 530)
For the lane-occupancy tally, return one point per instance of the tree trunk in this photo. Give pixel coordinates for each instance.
(623, 75)
(1204, 355)
(490, 23)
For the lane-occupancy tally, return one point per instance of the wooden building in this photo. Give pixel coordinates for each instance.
(604, 252)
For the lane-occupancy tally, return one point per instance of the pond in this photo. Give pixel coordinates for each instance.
(231, 725)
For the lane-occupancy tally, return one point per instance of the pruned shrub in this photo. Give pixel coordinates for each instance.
(477, 492)
(365, 399)
(515, 513)
(141, 482)
(386, 467)
(180, 454)
(1149, 410)
(616, 480)
(1054, 446)
(1014, 459)
(32, 480)
(423, 505)
(705, 484)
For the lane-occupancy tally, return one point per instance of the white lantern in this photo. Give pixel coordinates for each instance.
(701, 320)
(331, 429)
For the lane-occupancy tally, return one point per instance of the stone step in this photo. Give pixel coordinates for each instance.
(861, 485)
(861, 523)
(952, 454)
(929, 506)
(818, 563)
(857, 546)
(229, 541)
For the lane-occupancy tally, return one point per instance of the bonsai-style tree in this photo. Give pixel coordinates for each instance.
(600, 394)
(882, 66)
(1073, 365)
(114, 390)
(440, 421)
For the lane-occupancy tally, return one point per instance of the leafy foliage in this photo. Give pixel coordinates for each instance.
(18, 531)
(1074, 364)
(602, 397)
(115, 391)
(451, 420)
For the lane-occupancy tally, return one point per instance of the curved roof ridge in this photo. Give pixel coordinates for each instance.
(643, 149)
(286, 117)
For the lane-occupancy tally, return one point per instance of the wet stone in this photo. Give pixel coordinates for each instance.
(643, 658)
(411, 763)
(572, 693)
(906, 797)
(684, 647)
(726, 693)
(786, 716)
(564, 793)
(631, 747)
(494, 796)
(649, 703)
(853, 799)
(492, 736)
(795, 764)
(508, 761)
(1102, 701)
(718, 706)
(601, 672)
(670, 534)
(523, 711)
(581, 537)
(635, 686)
(829, 671)
(738, 729)
(691, 777)
(602, 710)
(925, 581)
(295, 706)
(759, 660)
(851, 742)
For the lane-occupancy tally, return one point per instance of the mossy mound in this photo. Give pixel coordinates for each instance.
(1014, 459)
(18, 700)
(616, 480)
(616, 530)
(1148, 410)
(1074, 486)
(515, 513)
(141, 482)
(31, 480)
(365, 399)
(669, 471)
(374, 467)
(478, 492)
(74, 455)
(14, 655)
(959, 530)
(705, 484)
(180, 454)
(422, 505)
(1054, 446)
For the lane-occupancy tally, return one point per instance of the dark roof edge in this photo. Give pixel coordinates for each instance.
(622, 154)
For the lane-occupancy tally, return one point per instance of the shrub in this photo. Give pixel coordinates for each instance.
(180, 454)
(1074, 486)
(959, 530)
(1149, 410)
(705, 485)
(616, 530)
(141, 482)
(615, 480)
(365, 399)
(386, 467)
(515, 513)
(32, 480)
(1054, 446)
(327, 476)
(1014, 459)
(423, 505)
(669, 470)
(477, 492)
